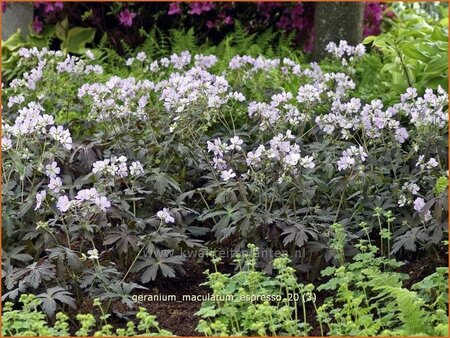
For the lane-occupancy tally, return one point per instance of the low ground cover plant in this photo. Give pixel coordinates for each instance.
(30, 321)
(368, 299)
(114, 167)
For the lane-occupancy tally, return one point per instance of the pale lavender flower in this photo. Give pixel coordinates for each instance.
(100, 166)
(292, 159)
(421, 162)
(6, 143)
(40, 197)
(309, 93)
(411, 93)
(413, 188)
(254, 158)
(402, 200)
(87, 195)
(219, 163)
(432, 163)
(55, 184)
(62, 136)
(205, 61)
(63, 203)
(165, 216)
(227, 174)
(52, 170)
(136, 168)
(419, 203)
(401, 135)
(93, 254)
(218, 148)
(89, 54)
(307, 162)
(344, 162)
(15, 100)
(235, 143)
(102, 202)
(141, 56)
(122, 170)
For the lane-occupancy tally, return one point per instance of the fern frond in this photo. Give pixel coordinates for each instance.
(182, 40)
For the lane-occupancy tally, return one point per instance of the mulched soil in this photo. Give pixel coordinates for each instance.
(425, 266)
(178, 317)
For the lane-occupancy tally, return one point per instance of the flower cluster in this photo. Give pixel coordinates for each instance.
(219, 150)
(31, 123)
(374, 120)
(281, 108)
(426, 110)
(117, 98)
(259, 63)
(196, 90)
(164, 215)
(426, 165)
(350, 156)
(75, 65)
(345, 50)
(177, 61)
(280, 152)
(117, 167)
(85, 197)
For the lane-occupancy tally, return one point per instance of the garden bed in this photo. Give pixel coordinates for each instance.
(233, 188)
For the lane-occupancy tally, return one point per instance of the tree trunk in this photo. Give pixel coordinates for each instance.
(17, 16)
(335, 21)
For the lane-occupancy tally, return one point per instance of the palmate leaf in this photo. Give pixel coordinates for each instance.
(62, 253)
(52, 295)
(298, 233)
(122, 291)
(161, 262)
(35, 273)
(16, 254)
(122, 238)
(162, 182)
(409, 239)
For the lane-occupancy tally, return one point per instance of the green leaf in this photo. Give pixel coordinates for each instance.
(412, 52)
(437, 65)
(369, 39)
(61, 29)
(77, 38)
(14, 41)
(438, 34)
(441, 185)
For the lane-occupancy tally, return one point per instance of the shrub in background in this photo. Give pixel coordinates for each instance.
(122, 23)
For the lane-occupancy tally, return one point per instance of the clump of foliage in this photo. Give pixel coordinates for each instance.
(415, 49)
(261, 305)
(31, 321)
(369, 299)
(121, 24)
